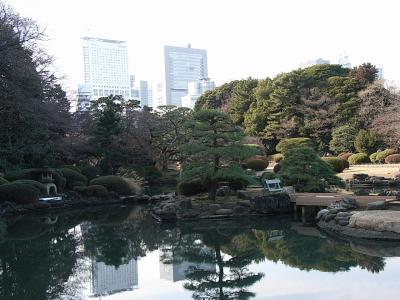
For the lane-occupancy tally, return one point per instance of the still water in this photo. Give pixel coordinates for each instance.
(121, 253)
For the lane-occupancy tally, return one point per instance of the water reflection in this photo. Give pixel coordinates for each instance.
(61, 258)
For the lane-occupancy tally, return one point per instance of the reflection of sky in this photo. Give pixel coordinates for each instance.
(280, 283)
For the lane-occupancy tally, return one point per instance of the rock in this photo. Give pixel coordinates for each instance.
(321, 213)
(41, 205)
(224, 211)
(377, 220)
(190, 214)
(239, 210)
(214, 206)
(241, 194)
(329, 217)
(245, 203)
(167, 213)
(343, 214)
(186, 204)
(332, 211)
(360, 177)
(143, 198)
(224, 191)
(343, 222)
(377, 205)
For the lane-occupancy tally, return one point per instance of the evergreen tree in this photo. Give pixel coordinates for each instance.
(214, 150)
(343, 139)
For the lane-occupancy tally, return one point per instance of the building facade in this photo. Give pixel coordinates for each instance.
(182, 65)
(195, 90)
(84, 97)
(106, 67)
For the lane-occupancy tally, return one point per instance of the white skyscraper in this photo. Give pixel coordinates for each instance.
(182, 65)
(195, 90)
(106, 67)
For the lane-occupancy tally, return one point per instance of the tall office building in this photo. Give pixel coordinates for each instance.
(106, 67)
(313, 62)
(182, 65)
(195, 90)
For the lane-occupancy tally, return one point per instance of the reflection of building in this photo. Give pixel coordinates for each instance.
(176, 271)
(182, 65)
(84, 97)
(195, 90)
(109, 279)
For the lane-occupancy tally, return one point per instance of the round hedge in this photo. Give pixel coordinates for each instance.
(3, 181)
(71, 167)
(40, 186)
(92, 191)
(380, 157)
(90, 172)
(190, 188)
(267, 176)
(338, 165)
(113, 183)
(19, 193)
(373, 156)
(392, 159)
(345, 155)
(73, 178)
(256, 164)
(286, 144)
(359, 158)
(277, 168)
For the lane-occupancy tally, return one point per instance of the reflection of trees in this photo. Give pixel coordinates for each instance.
(36, 268)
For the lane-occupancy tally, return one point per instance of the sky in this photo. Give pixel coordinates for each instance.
(243, 38)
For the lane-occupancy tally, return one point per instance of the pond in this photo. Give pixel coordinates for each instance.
(121, 253)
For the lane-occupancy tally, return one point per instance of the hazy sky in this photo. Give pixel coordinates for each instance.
(257, 38)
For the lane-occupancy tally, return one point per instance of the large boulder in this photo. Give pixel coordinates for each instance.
(377, 205)
(377, 220)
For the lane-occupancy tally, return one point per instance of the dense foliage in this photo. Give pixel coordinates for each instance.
(359, 158)
(306, 172)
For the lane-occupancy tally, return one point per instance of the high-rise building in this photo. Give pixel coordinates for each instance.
(84, 97)
(145, 93)
(313, 62)
(182, 65)
(106, 67)
(195, 90)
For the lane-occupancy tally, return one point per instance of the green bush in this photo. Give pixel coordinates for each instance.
(73, 178)
(359, 158)
(19, 193)
(337, 164)
(392, 159)
(3, 181)
(287, 144)
(342, 139)
(90, 172)
(92, 191)
(40, 186)
(380, 157)
(34, 174)
(306, 172)
(373, 156)
(113, 183)
(190, 188)
(366, 142)
(71, 167)
(256, 164)
(345, 155)
(277, 157)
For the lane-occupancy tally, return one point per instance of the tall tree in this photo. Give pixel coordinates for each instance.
(214, 149)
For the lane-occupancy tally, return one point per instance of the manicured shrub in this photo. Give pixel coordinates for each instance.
(366, 142)
(380, 157)
(40, 186)
(96, 191)
(19, 193)
(73, 178)
(345, 163)
(190, 188)
(34, 174)
(393, 159)
(3, 181)
(20, 174)
(277, 168)
(256, 164)
(287, 144)
(90, 172)
(359, 158)
(345, 155)
(133, 185)
(373, 156)
(71, 167)
(342, 139)
(113, 183)
(306, 172)
(277, 157)
(337, 164)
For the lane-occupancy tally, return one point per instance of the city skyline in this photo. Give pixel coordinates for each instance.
(257, 36)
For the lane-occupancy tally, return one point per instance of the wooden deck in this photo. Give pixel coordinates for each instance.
(324, 199)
